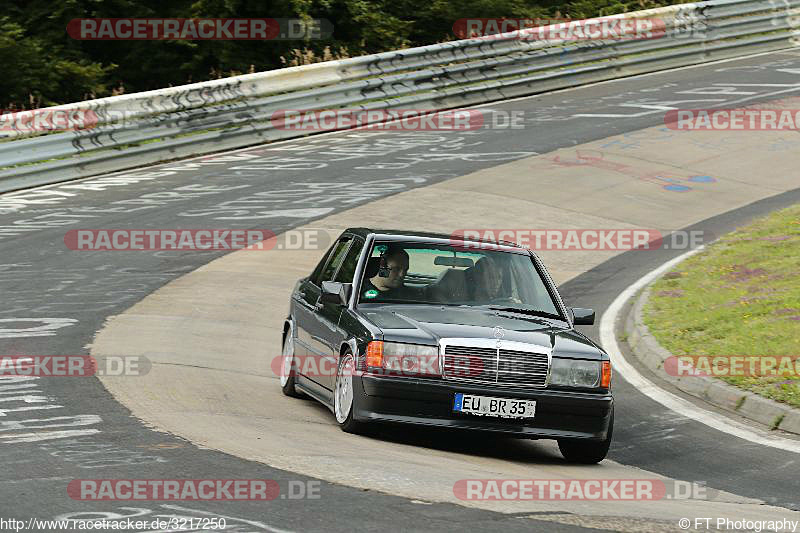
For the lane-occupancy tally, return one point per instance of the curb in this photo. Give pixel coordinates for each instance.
(716, 392)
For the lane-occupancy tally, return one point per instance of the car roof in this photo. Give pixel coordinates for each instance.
(428, 237)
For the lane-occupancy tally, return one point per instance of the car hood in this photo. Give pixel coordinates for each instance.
(427, 324)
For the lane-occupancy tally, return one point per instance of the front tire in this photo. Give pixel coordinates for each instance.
(344, 396)
(288, 369)
(586, 451)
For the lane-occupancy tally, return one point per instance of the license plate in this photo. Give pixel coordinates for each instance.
(491, 406)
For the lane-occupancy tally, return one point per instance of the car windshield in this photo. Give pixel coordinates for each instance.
(455, 275)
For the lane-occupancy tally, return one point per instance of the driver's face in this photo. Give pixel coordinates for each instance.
(398, 267)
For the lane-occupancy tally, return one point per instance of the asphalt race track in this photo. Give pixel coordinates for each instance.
(56, 300)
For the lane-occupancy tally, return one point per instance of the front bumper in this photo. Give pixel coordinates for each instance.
(429, 402)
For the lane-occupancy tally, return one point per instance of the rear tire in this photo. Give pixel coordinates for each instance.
(288, 369)
(587, 451)
(344, 398)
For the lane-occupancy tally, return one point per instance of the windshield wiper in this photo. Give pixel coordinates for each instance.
(523, 311)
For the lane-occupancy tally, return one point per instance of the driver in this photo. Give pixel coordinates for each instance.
(391, 286)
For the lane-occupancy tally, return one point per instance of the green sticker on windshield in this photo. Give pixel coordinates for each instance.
(372, 293)
(381, 248)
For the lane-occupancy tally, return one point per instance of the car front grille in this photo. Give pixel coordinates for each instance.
(523, 366)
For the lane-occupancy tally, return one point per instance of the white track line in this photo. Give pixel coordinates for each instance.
(675, 403)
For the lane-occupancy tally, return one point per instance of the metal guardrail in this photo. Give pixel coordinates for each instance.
(148, 127)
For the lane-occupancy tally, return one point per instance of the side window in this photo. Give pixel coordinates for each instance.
(348, 269)
(334, 260)
(315, 275)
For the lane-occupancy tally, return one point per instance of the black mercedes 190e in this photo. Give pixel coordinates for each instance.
(437, 330)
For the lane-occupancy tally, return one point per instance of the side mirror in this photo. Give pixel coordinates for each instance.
(581, 316)
(335, 292)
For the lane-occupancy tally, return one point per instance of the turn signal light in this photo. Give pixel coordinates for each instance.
(605, 379)
(375, 354)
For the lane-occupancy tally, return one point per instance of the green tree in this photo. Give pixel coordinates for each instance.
(46, 66)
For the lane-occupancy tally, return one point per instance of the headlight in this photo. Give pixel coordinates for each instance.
(575, 372)
(398, 358)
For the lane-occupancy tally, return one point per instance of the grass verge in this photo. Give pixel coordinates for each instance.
(741, 297)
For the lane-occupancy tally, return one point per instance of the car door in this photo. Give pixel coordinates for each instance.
(304, 304)
(313, 320)
(329, 313)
